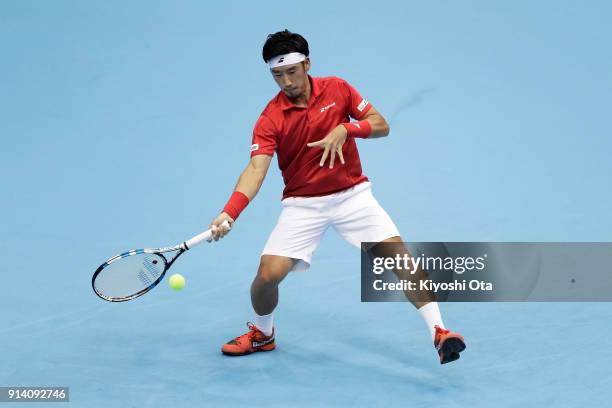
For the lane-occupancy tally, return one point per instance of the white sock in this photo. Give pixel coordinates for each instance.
(431, 314)
(264, 323)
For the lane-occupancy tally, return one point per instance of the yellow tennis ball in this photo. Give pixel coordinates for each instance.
(177, 281)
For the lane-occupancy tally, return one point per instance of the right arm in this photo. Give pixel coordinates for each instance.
(249, 182)
(253, 175)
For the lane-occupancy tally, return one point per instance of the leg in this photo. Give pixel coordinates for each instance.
(289, 247)
(395, 246)
(264, 297)
(448, 344)
(264, 289)
(360, 218)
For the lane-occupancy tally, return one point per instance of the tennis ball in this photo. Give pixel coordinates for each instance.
(177, 281)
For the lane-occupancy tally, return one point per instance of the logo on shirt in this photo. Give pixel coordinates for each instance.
(255, 147)
(331, 105)
(362, 105)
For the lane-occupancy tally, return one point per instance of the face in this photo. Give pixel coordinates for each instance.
(292, 79)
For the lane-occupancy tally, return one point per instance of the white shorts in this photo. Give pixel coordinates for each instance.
(353, 212)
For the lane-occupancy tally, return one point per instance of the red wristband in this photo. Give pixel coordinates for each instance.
(236, 204)
(361, 129)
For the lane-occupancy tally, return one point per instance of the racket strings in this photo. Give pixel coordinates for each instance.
(153, 266)
(129, 275)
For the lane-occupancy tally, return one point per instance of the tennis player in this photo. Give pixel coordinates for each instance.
(307, 124)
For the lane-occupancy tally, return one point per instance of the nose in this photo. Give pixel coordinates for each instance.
(286, 81)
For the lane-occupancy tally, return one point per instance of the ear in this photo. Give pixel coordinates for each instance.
(307, 64)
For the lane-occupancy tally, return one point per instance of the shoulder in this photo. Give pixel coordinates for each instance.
(271, 112)
(333, 85)
(324, 82)
(272, 107)
(330, 80)
(268, 117)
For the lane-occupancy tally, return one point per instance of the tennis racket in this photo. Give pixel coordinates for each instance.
(133, 273)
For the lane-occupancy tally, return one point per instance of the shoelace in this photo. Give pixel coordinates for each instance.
(252, 331)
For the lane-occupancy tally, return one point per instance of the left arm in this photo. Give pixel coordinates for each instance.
(332, 143)
(380, 127)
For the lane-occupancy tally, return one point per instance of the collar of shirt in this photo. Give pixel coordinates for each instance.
(314, 92)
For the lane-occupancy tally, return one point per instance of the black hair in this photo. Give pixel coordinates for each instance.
(284, 42)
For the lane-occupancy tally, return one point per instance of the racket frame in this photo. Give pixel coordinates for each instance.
(156, 251)
(181, 248)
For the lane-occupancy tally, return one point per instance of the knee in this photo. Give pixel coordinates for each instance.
(390, 247)
(268, 274)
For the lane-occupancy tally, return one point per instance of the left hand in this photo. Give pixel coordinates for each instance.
(332, 143)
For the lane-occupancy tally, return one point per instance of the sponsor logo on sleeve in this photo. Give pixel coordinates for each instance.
(362, 105)
(255, 147)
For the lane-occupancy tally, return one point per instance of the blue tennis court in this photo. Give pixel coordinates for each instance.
(126, 124)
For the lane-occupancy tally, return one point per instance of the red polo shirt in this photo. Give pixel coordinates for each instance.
(286, 129)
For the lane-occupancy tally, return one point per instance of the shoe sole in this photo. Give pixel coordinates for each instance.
(246, 353)
(450, 350)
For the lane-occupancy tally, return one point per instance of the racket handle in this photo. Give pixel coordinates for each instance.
(206, 235)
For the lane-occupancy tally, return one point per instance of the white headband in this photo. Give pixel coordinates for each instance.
(286, 59)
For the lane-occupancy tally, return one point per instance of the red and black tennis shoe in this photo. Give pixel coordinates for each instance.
(448, 344)
(250, 342)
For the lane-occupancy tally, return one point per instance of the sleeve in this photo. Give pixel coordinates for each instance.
(264, 137)
(357, 105)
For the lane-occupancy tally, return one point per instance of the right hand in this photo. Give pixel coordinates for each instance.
(219, 231)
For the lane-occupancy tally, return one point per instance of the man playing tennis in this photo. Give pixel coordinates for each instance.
(308, 126)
